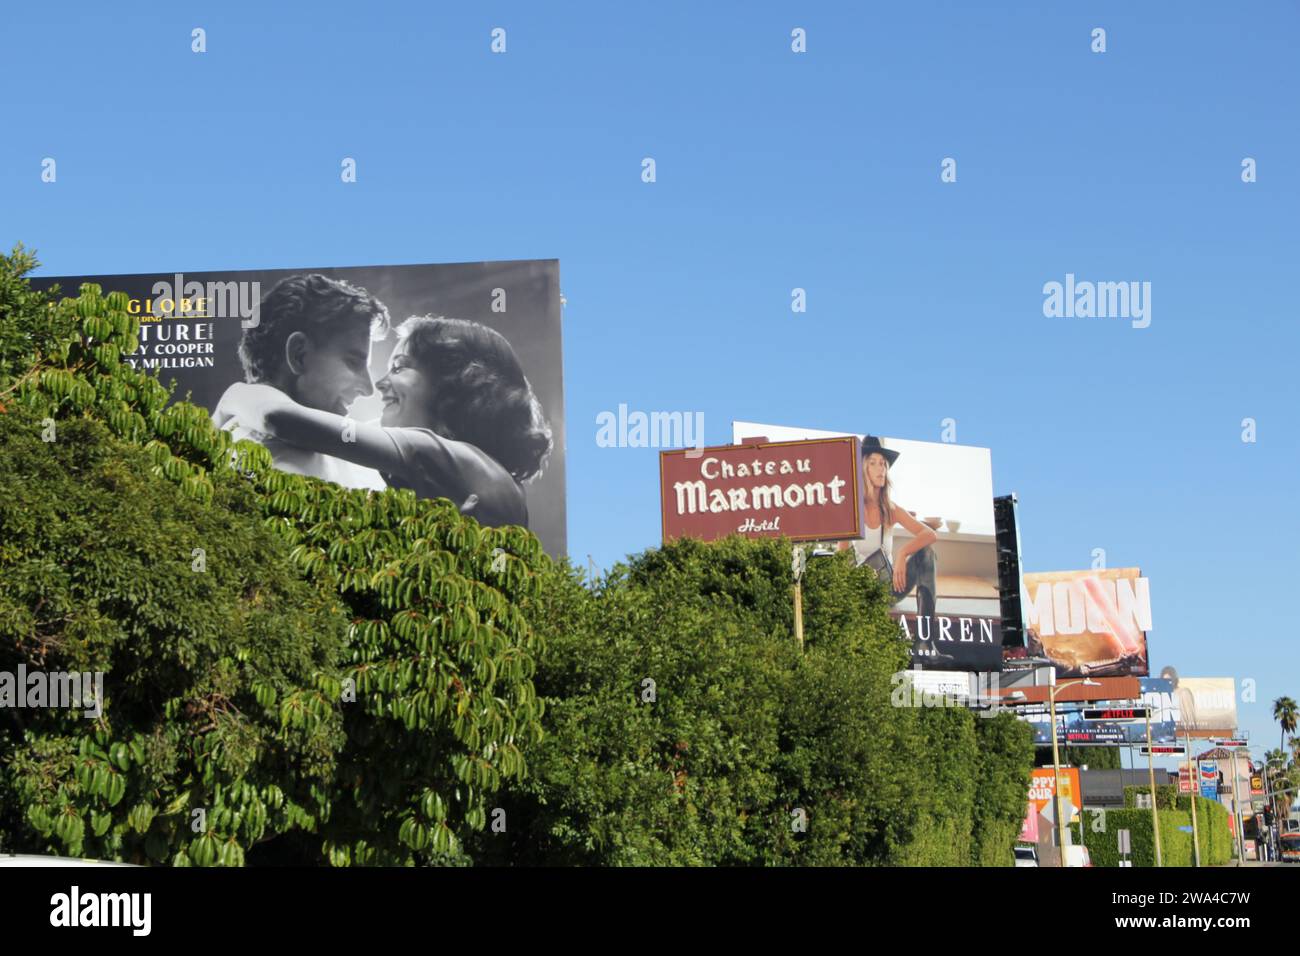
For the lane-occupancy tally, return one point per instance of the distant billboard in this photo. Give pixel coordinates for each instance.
(1157, 695)
(1207, 706)
(443, 379)
(1090, 623)
(1042, 787)
(950, 685)
(804, 490)
(939, 542)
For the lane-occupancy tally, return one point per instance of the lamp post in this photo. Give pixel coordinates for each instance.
(1263, 846)
(798, 565)
(1238, 819)
(1151, 772)
(1056, 759)
(1194, 779)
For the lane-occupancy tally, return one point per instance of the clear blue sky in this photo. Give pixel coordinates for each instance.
(775, 170)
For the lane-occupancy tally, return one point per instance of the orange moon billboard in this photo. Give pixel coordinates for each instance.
(1090, 622)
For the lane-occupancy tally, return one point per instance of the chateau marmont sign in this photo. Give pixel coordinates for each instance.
(805, 490)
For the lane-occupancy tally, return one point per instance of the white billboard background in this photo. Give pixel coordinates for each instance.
(1207, 705)
(931, 478)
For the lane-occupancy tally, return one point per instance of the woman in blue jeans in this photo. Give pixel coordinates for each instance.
(914, 566)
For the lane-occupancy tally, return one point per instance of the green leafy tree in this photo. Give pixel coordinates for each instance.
(1005, 752)
(684, 726)
(399, 693)
(1285, 713)
(1094, 758)
(198, 620)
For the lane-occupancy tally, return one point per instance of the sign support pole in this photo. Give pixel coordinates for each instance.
(1237, 821)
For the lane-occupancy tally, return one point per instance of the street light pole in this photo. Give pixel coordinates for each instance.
(1237, 820)
(1056, 773)
(1151, 771)
(1056, 762)
(1194, 780)
(1270, 804)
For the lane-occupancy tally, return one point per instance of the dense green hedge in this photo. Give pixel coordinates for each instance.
(1166, 796)
(1213, 828)
(91, 540)
(744, 734)
(1175, 844)
(1005, 753)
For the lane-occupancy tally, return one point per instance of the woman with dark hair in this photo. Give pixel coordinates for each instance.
(460, 420)
(914, 565)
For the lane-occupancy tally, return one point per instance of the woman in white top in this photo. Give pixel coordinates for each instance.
(914, 565)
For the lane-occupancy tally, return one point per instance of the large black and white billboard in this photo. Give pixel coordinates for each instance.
(445, 379)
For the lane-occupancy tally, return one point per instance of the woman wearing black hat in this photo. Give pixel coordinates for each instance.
(914, 566)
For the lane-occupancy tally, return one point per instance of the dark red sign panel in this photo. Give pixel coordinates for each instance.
(805, 490)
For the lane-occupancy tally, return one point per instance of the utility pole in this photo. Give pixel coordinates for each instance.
(1151, 772)
(1270, 801)
(1236, 813)
(1194, 779)
(1056, 758)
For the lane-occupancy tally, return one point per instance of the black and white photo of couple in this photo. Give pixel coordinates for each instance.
(460, 419)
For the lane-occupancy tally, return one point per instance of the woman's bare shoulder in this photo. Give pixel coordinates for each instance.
(499, 498)
(898, 514)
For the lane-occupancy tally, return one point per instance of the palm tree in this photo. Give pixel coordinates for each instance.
(1274, 767)
(1285, 712)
